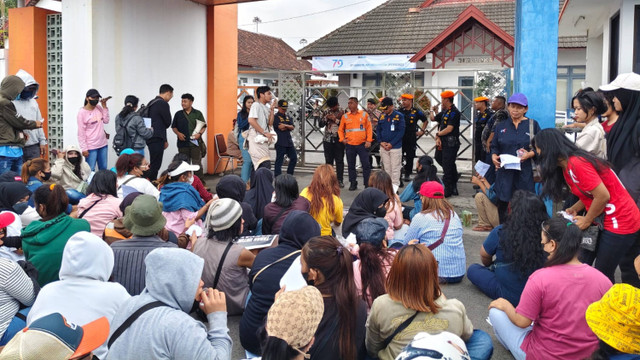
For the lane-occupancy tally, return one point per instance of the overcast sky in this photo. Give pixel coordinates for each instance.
(334, 13)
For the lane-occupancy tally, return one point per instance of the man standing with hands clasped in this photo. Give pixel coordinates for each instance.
(184, 124)
(448, 142)
(355, 133)
(390, 132)
(283, 125)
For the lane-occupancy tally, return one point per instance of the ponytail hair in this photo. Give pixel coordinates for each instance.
(372, 271)
(127, 162)
(32, 167)
(567, 236)
(130, 102)
(54, 199)
(165, 178)
(428, 172)
(327, 255)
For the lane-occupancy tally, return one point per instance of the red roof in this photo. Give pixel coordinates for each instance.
(260, 51)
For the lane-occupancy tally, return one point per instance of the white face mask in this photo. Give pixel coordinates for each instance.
(191, 180)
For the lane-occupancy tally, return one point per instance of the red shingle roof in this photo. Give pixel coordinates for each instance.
(260, 51)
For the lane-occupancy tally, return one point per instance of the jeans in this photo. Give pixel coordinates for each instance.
(363, 154)
(10, 164)
(156, 153)
(615, 250)
(510, 335)
(99, 155)
(75, 196)
(334, 151)
(139, 151)
(450, 280)
(479, 345)
(485, 280)
(247, 165)
(281, 151)
(15, 325)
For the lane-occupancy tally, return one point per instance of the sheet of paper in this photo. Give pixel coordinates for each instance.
(482, 168)
(194, 142)
(147, 122)
(293, 277)
(510, 162)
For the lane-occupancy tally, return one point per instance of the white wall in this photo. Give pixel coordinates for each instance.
(572, 57)
(593, 76)
(627, 26)
(123, 47)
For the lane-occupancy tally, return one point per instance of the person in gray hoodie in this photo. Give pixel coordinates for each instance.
(26, 106)
(168, 332)
(83, 293)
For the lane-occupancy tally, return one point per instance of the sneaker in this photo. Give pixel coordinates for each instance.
(401, 184)
(341, 184)
(354, 186)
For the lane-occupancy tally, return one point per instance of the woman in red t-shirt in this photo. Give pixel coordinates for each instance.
(600, 191)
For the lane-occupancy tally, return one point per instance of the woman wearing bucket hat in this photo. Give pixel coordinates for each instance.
(513, 137)
(225, 263)
(623, 141)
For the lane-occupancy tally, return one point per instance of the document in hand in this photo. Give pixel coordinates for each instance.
(482, 168)
(509, 162)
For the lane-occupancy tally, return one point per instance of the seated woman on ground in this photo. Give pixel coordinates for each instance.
(232, 187)
(287, 199)
(101, 204)
(416, 303)
(516, 247)
(261, 192)
(425, 171)
(197, 182)
(324, 195)
(486, 201)
(549, 322)
(382, 181)
(374, 259)
(71, 171)
(439, 227)
(130, 169)
(180, 200)
(369, 203)
(223, 225)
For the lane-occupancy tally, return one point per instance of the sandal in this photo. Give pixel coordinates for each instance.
(482, 228)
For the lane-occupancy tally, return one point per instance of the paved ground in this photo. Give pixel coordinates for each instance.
(476, 303)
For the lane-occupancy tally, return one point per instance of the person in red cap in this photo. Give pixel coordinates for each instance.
(483, 114)
(448, 142)
(411, 133)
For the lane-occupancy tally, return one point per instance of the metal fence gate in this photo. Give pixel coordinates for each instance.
(306, 100)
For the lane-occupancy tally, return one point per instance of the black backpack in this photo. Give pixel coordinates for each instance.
(122, 140)
(145, 111)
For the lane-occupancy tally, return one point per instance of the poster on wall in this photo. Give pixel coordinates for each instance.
(362, 62)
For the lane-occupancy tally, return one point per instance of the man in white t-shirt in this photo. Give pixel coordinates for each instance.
(260, 121)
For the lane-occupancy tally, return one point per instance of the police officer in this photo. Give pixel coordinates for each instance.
(355, 133)
(483, 114)
(390, 132)
(283, 125)
(411, 133)
(448, 142)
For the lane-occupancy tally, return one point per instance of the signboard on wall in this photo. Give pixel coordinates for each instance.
(362, 63)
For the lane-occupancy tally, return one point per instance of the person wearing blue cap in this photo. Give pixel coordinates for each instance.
(514, 138)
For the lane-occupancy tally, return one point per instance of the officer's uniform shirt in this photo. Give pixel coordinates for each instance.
(284, 136)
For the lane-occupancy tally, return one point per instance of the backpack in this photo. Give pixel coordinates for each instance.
(145, 111)
(122, 140)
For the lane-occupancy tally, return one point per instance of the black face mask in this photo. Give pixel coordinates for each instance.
(380, 212)
(74, 160)
(305, 275)
(20, 207)
(46, 176)
(93, 102)
(27, 94)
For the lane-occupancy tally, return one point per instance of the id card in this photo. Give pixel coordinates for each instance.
(361, 127)
(393, 127)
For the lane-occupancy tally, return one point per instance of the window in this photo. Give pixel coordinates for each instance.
(256, 81)
(570, 79)
(244, 80)
(267, 82)
(614, 46)
(369, 80)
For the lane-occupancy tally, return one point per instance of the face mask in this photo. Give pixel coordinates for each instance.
(93, 102)
(20, 207)
(47, 175)
(381, 212)
(191, 180)
(17, 97)
(26, 94)
(74, 160)
(305, 275)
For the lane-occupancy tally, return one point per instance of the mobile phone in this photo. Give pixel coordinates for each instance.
(107, 98)
(54, 152)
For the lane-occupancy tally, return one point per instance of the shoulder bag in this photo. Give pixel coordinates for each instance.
(398, 330)
(444, 233)
(253, 279)
(127, 323)
(82, 214)
(591, 234)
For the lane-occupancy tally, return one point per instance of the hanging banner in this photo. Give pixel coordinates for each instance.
(362, 62)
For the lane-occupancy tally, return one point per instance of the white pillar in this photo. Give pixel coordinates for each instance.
(593, 75)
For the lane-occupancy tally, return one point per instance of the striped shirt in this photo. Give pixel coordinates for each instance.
(450, 254)
(15, 288)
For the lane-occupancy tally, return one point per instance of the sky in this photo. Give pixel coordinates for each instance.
(312, 18)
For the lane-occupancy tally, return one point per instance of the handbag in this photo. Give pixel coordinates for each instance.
(591, 234)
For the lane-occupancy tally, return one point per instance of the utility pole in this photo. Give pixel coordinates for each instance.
(257, 21)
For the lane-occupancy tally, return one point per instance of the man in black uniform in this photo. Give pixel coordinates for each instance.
(448, 142)
(411, 133)
(483, 114)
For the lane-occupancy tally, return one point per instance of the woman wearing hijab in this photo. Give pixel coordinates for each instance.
(232, 187)
(261, 191)
(370, 203)
(623, 141)
(268, 267)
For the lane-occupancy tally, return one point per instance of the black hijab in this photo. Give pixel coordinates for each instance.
(364, 206)
(261, 191)
(11, 193)
(298, 227)
(623, 142)
(232, 187)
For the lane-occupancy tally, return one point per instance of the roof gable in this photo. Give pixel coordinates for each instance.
(261, 51)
